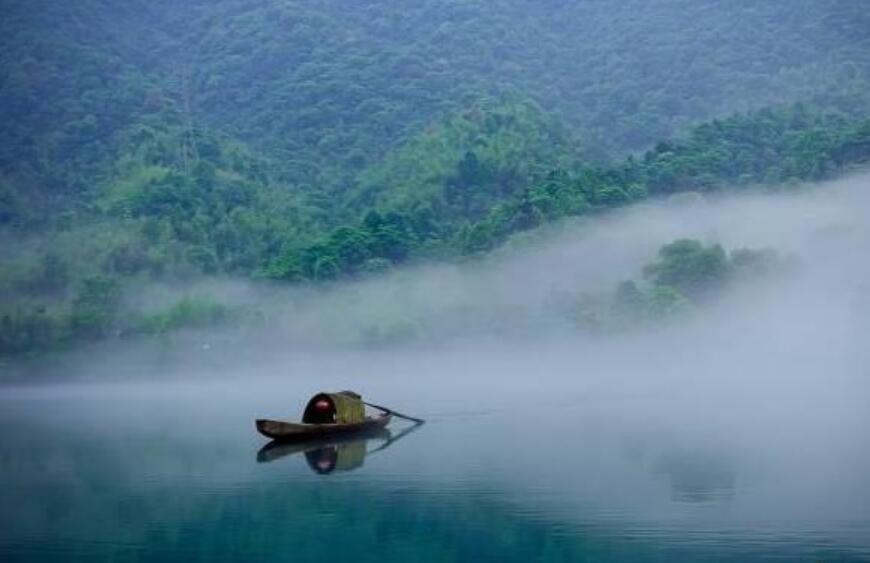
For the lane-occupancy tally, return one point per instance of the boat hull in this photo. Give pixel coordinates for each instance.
(299, 432)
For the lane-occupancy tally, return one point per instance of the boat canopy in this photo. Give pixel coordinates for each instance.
(345, 407)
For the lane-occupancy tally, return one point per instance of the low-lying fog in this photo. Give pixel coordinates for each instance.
(513, 313)
(507, 321)
(763, 391)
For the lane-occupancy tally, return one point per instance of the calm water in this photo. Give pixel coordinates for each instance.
(172, 473)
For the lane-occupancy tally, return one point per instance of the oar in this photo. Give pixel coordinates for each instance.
(394, 413)
(392, 440)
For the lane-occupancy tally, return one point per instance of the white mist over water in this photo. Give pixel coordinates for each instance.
(784, 355)
(514, 309)
(743, 422)
(506, 321)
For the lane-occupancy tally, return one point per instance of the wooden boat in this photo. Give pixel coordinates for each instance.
(326, 415)
(300, 432)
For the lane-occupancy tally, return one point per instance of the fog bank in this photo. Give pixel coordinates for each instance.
(511, 316)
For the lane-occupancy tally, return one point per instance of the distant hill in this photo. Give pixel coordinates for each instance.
(328, 87)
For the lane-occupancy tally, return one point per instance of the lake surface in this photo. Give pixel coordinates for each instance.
(173, 472)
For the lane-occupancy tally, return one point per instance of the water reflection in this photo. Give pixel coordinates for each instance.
(698, 476)
(697, 473)
(335, 454)
(139, 479)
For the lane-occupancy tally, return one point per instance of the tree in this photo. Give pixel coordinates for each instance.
(629, 303)
(94, 305)
(689, 267)
(665, 301)
(351, 248)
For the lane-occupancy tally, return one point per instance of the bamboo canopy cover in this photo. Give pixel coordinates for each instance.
(345, 407)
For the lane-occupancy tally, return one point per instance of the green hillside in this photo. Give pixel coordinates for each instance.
(313, 141)
(327, 88)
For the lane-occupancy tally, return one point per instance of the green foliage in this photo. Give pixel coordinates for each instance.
(335, 84)
(376, 243)
(325, 90)
(629, 304)
(159, 216)
(685, 275)
(27, 330)
(94, 306)
(468, 161)
(189, 312)
(309, 142)
(664, 301)
(765, 149)
(690, 268)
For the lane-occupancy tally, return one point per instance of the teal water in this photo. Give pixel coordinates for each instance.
(172, 473)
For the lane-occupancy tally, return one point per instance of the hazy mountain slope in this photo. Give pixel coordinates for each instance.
(338, 82)
(72, 76)
(327, 87)
(309, 142)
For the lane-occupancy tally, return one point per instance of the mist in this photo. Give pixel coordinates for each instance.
(524, 295)
(765, 351)
(754, 403)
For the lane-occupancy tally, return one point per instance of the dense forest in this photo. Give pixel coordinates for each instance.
(301, 142)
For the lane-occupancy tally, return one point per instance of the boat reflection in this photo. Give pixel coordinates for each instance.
(335, 454)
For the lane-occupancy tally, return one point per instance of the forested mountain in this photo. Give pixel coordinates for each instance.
(309, 141)
(327, 87)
